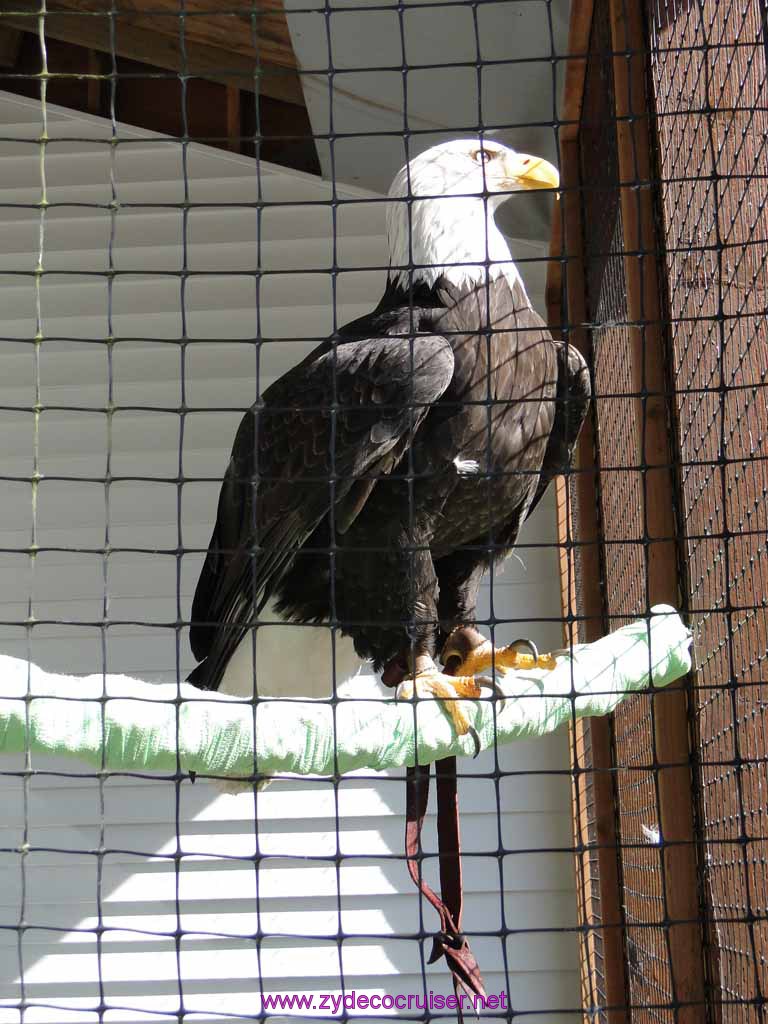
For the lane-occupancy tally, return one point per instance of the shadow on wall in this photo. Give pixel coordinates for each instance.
(269, 900)
(291, 893)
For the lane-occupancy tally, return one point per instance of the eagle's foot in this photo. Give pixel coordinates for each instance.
(467, 652)
(429, 682)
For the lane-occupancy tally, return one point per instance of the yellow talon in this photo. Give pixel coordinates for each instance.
(507, 658)
(432, 683)
(484, 656)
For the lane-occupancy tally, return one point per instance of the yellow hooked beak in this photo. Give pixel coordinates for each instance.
(530, 172)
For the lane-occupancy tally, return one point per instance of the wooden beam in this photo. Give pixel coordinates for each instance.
(593, 622)
(234, 131)
(647, 355)
(150, 40)
(265, 35)
(566, 557)
(579, 32)
(593, 786)
(605, 886)
(10, 44)
(575, 67)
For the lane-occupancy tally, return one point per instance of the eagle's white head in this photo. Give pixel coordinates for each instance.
(440, 220)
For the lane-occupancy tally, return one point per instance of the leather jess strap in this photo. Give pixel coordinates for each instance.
(450, 942)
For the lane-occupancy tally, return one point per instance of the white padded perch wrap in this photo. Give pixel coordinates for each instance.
(123, 724)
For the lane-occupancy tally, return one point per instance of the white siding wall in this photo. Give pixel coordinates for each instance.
(296, 899)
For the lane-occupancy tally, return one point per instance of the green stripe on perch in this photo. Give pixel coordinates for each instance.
(124, 724)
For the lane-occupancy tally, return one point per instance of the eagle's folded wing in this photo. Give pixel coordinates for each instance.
(322, 435)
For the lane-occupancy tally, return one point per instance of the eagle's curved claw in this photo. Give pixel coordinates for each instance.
(468, 653)
(429, 682)
(523, 641)
(459, 647)
(499, 694)
(475, 740)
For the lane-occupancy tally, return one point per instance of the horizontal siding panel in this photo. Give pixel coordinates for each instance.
(74, 364)
(168, 191)
(360, 915)
(526, 771)
(161, 161)
(127, 879)
(277, 228)
(272, 257)
(357, 836)
(368, 837)
(287, 322)
(203, 997)
(93, 294)
(238, 960)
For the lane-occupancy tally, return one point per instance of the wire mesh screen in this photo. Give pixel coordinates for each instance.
(701, 102)
(191, 199)
(708, 70)
(621, 494)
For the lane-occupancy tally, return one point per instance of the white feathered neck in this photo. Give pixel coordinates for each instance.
(451, 236)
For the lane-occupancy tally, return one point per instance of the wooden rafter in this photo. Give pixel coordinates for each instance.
(10, 41)
(250, 49)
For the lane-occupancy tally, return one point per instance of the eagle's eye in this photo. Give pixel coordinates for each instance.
(483, 156)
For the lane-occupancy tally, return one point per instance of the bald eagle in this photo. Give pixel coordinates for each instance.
(374, 484)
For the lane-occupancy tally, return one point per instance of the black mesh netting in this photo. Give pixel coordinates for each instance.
(192, 197)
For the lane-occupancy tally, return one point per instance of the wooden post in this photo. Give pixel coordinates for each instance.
(234, 131)
(647, 354)
(590, 739)
(10, 46)
(593, 797)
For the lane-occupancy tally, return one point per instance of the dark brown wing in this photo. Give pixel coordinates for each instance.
(538, 391)
(340, 417)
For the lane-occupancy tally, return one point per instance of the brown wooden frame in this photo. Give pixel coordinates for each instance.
(592, 783)
(240, 76)
(670, 714)
(220, 47)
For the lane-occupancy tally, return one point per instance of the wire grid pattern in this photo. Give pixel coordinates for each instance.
(620, 487)
(593, 911)
(708, 69)
(496, 857)
(585, 807)
(593, 970)
(708, 74)
(621, 477)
